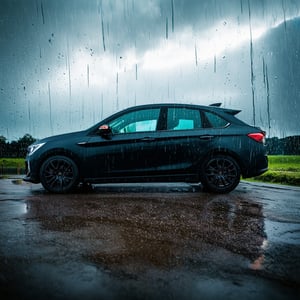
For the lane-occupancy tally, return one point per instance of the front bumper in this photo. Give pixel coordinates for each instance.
(30, 176)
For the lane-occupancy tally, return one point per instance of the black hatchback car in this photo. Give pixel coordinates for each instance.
(152, 143)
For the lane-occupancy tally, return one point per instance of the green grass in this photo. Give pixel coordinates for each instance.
(284, 163)
(12, 162)
(11, 166)
(283, 169)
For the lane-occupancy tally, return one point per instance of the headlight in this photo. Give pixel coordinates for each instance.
(32, 148)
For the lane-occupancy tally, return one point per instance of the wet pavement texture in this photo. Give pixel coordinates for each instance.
(149, 241)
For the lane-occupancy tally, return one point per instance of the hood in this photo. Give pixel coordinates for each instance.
(61, 137)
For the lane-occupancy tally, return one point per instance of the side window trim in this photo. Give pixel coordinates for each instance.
(205, 122)
(162, 120)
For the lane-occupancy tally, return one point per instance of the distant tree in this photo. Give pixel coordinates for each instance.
(23, 144)
(291, 145)
(3, 145)
(285, 146)
(15, 148)
(274, 146)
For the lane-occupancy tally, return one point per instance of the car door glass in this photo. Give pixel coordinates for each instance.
(183, 119)
(136, 121)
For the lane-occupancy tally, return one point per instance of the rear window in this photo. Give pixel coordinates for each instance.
(183, 119)
(212, 120)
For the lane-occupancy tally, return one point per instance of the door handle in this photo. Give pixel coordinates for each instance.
(148, 139)
(206, 137)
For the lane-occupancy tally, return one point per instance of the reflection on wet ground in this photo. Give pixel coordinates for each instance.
(153, 229)
(145, 241)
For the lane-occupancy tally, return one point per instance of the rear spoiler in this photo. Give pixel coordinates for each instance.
(216, 104)
(226, 110)
(231, 111)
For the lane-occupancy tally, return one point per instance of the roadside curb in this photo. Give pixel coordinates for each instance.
(272, 185)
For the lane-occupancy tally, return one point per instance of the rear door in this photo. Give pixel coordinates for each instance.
(184, 141)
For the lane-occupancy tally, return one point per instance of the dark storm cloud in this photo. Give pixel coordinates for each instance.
(124, 23)
(127, 22)
(79, 54)
(283, 74)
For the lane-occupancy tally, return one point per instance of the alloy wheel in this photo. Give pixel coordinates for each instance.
(59, 174)
(221, 174)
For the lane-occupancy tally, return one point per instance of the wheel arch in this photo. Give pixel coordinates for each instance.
(224, 151)
(223, 177)
(62, 152)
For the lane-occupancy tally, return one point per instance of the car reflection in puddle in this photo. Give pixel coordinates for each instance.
(128, 230)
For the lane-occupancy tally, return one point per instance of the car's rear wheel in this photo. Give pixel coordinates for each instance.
(59, 174)
(220, 174)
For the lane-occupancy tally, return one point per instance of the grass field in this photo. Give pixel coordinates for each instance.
(11, 166)
(283, 169)
(12, 162)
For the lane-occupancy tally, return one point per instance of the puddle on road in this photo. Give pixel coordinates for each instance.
(283, 232)
(141, 237)
(16, 188)
(282, 254)
(14, 208)
(130, 232)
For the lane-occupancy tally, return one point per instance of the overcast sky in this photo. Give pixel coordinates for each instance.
(65, 65)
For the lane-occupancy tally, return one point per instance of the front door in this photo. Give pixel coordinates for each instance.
(129, 150)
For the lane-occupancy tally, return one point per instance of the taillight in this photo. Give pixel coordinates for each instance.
(258, 136)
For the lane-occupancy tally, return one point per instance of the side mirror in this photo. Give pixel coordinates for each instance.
(105, 130)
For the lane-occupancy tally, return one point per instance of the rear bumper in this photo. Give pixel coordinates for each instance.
(259, 167)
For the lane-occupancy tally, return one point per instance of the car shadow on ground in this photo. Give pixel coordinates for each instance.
(139, 188)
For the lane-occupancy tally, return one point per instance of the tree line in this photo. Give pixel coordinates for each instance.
(286, 146)
(275, 146)
(15, 149)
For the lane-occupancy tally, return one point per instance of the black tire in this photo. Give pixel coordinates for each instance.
(59, 174)
(220, 174)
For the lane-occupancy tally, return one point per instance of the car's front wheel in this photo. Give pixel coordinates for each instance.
(59, 174)
(220, 174)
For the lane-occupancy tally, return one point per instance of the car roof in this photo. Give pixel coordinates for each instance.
(212, 107)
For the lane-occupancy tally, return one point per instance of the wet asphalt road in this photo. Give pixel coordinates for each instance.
(150, 241)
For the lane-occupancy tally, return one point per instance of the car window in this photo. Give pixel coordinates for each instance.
(136, 121)
(183, 119)
(213, 121)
